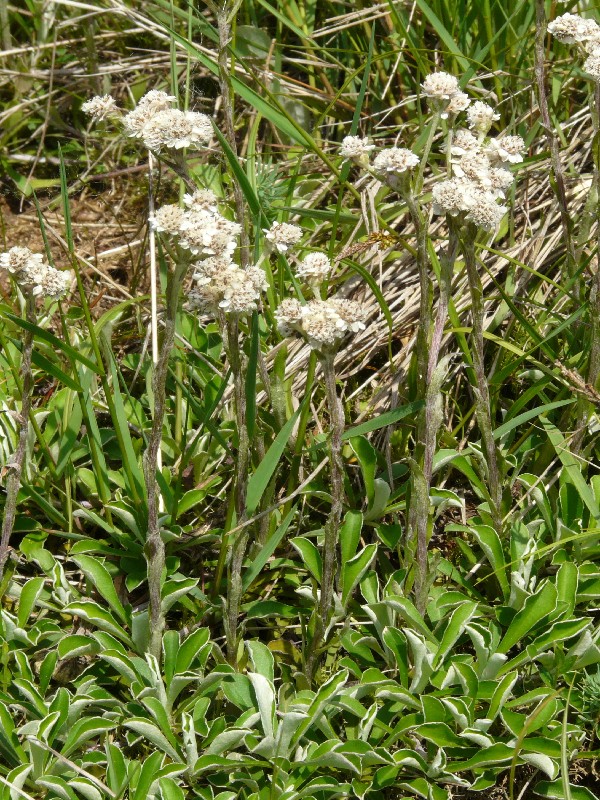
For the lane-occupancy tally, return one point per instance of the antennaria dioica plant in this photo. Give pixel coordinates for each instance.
(333, 616)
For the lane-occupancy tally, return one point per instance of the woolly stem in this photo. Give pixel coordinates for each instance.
(13, 481)
(332, 526)
(482, 395)
(237, 546)
(154, 549)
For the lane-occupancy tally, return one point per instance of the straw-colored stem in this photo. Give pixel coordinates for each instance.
(15, 468)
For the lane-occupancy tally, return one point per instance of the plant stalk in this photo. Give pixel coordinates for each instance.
(482, 395)
(332, 526)
(231, 338)
(15, 468)
(155, 547)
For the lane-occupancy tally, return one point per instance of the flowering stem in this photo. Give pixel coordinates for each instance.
(426, 290)
(332, 526)
(231, 338)
(482, 395)
(13, 481)
(435, 121)
(557, 169)
(155, 547)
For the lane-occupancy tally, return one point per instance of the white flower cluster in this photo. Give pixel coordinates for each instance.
(100, 107)
(444, 94)
(283, 235)
(480, 178)
(323, 323)
(573, 29)
(33, 275)
(156, 122)
(199, 228)
(221, 284)
(315, 268)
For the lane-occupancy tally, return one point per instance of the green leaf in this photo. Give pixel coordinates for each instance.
(556, 791)
(383, 420)
(100, 617)
(170, 790)
(535, 608)
(354, 570)
(260, 478)
(100, 577)
(153, 734)
(27, 599)
(266, 551)
(454, 629)
(310, 555)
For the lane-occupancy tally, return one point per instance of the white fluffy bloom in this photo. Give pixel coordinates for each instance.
(592, 66)
(459, 102)
(486, 213)
(100, 107)
(463, 142)
(505, 150)
(314, 267)
(323, 323)
(356, 147)
(395, 160)
(33, 275)
(440, 85)
(176, 129)
(148, 106)
(570, 28)
(453, 196)
(203, 232)
(167, 219)
(475, 167)
(201, 199)
(481, 116)
(283, 235)
(221, 284)
(500, 180)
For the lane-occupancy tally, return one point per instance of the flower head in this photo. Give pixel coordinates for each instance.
(283, 235)
(33, 275)
(176, 129)
(201, 199)
(206, 233)
(100, 107)
(453, 196)
(167, 219)
(485, 212)
(458, 102)
(148, 106)
(570, 28)
(356, 148)
(505, 150)
(221, 284)
(315, 267)
(481, 116)
(395, 160)
(440, 85)
(463, 142)
(323, 323)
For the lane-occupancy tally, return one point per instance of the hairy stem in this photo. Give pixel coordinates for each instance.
(332, 526)
(426, 291)
(155, 547)
(15, 468)
(482, 395)
(557, 168)
(237, 546)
